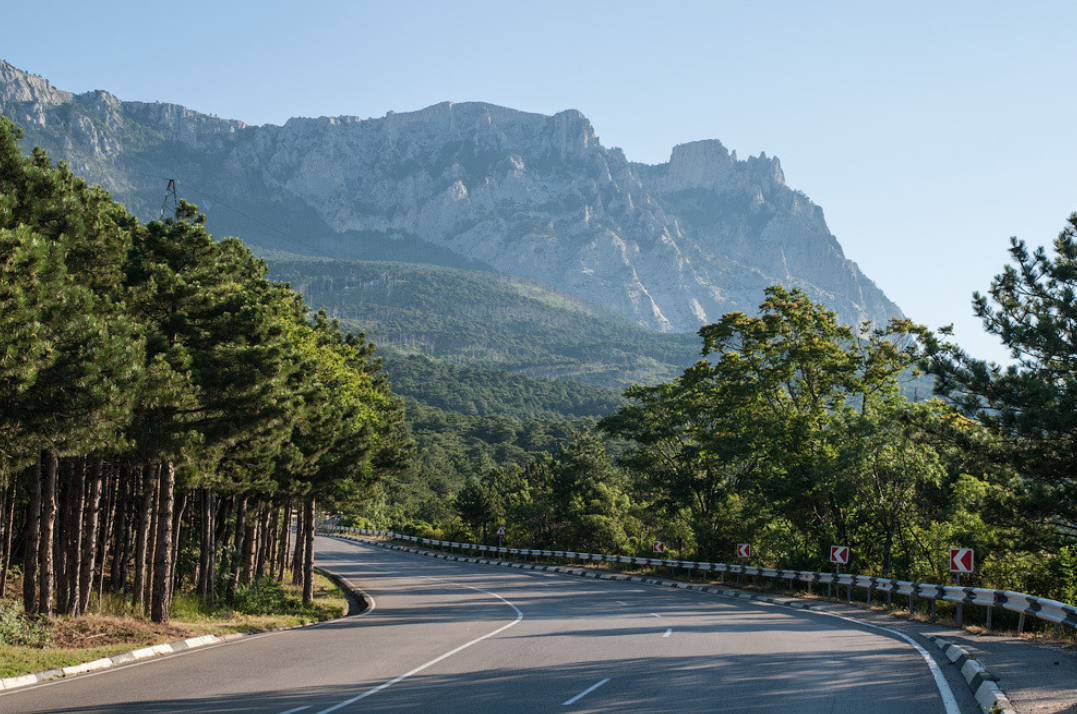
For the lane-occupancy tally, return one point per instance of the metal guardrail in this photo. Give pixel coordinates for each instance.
(1050, 610)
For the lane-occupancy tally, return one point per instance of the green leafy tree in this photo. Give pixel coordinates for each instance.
(1032, 403)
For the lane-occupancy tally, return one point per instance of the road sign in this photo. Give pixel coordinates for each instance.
(839, 554)
(961, 560)
(500, 531)
(659, 547)
(744, 550)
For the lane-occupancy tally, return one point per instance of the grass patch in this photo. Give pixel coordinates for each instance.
(28, 645)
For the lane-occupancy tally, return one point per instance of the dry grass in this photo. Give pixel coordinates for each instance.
(103, 633)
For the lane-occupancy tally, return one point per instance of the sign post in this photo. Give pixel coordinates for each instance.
(839, 556)
(961, 561)
(659, 547)
(744, 552)
(500, 535)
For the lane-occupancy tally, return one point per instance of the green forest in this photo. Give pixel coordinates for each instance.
(168, 407)
(793, 433)
(483, 320)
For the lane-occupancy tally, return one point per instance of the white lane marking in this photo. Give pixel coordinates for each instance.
(655, 614)
(297, 709)
(945, 692)
(669, 631)
(620, 602)
(585, 692)
(947, 695)
(431, 663)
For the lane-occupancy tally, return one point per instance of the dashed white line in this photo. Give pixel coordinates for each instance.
(431, 663)
(620, 602)
(297, 709)
(655, 614)
(669, 631)
(585, 692)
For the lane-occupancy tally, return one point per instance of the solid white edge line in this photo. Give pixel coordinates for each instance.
(947, 695)
(943, 686)
(585, 692)
(297, 709)
(420, 668)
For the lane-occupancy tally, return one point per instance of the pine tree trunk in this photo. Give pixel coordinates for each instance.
(297, 558)
(48, 528)
(161, 601)
(89, 536)
(208, 556)
(224, 510)
(285, 539)
(110, 490)
(308, 558)
(271, 540)
(65, 475)
(251, 546)
(6, 508)
(33, 539)
(177, 537)
(72, 498)
(121, 541)
(151, 543)
(145, 519)
(263, 539)
(236, 563)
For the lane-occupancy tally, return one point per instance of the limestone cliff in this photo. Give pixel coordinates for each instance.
(672, 246)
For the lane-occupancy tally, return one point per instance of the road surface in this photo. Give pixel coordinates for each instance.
(477, 639)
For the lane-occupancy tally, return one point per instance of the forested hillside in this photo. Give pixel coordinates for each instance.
(493, 392)
(479, 319)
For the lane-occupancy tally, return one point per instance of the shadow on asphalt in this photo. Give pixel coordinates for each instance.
(807, 683)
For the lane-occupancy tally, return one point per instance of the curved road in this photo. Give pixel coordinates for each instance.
(454, 637)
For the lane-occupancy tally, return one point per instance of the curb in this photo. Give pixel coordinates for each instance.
(170, 648)
(983, 685)
(123, 658)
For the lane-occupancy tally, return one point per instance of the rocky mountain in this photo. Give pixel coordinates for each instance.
(671, 246)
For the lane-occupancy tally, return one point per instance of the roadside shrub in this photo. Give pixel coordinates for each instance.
(18, 630)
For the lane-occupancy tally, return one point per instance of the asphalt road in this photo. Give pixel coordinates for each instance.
(453, 637)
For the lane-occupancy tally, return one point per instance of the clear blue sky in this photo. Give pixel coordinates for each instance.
(929, 132)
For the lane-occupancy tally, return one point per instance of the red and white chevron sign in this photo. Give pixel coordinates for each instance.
(839, 554)
(659, 547)
(961, 560)
(744, 550)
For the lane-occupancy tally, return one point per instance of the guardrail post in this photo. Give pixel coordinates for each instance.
(1020, 623)
(959, 604)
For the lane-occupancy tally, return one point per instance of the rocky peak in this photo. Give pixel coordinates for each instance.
(19, 86)
(699, 164)
(671, 246)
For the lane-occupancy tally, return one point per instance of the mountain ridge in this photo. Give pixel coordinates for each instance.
(671, 246)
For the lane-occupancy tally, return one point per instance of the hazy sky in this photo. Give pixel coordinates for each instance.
(929, 132)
